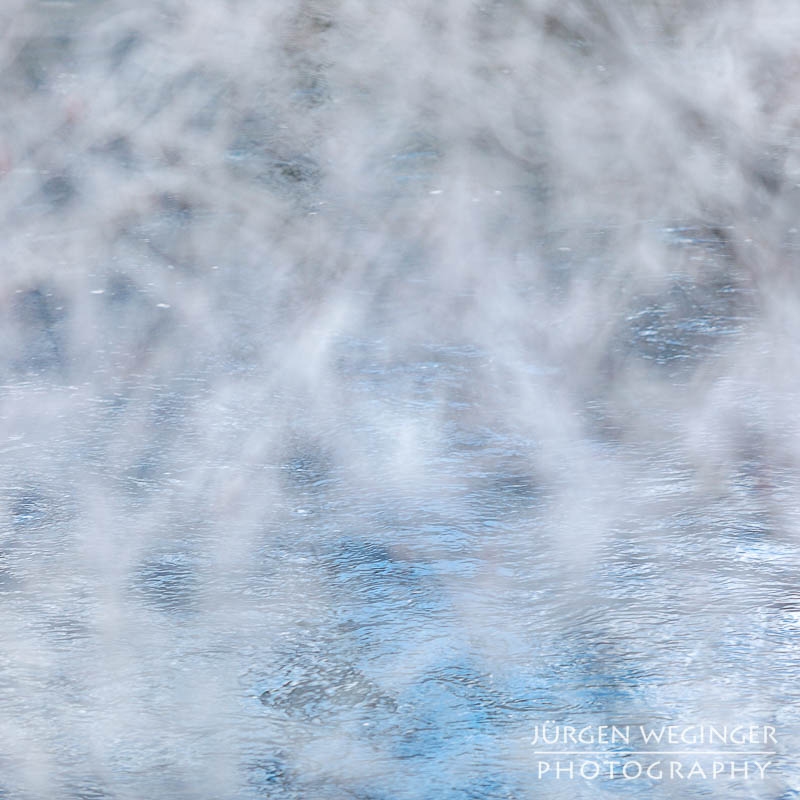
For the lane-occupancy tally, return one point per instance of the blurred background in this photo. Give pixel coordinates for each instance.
(380, 381)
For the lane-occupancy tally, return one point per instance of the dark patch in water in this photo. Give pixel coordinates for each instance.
(39, 313)
(308, 465)
(123, 48)
(332, 687)
(29, 509)
(167, 582)
(59, 191)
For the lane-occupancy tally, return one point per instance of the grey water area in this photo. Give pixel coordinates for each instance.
(312, 620)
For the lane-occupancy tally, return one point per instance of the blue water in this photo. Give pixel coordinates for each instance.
(326, 617)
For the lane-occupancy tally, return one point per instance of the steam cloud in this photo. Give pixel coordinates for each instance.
(381, 380)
